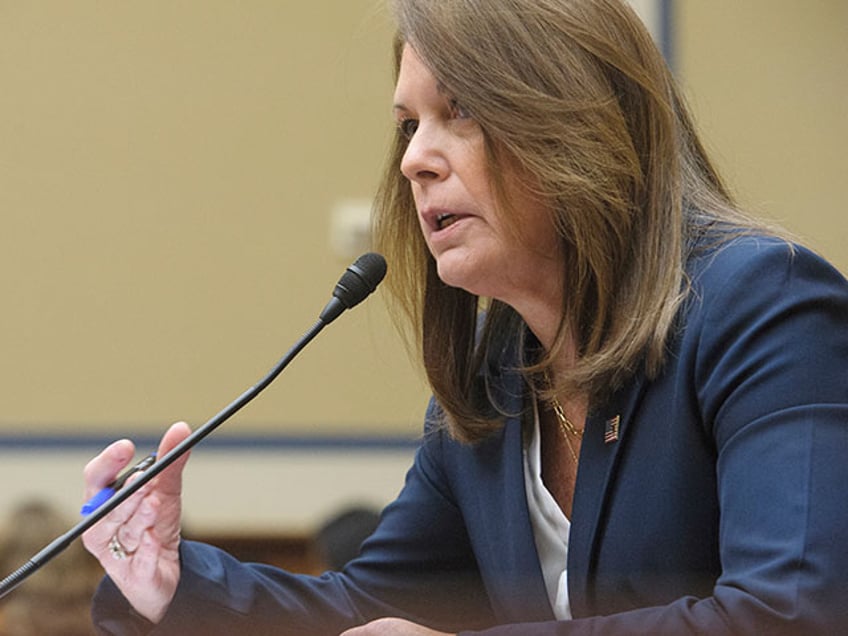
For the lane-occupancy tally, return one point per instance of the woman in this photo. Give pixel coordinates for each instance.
(640, 412)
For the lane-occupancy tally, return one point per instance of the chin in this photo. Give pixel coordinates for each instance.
(462, 277)
(449, 273)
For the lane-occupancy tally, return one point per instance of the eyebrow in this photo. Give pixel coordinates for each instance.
(399, 110)
(440, 88)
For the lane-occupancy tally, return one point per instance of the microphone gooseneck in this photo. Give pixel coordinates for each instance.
(356, 284)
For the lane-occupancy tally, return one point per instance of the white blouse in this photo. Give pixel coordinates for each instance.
(550, 525)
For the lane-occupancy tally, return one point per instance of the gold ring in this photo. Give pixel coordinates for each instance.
(117, 549)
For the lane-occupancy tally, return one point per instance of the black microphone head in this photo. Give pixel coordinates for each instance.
(358, 281)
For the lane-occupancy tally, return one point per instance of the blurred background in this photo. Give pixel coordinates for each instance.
(182, 183)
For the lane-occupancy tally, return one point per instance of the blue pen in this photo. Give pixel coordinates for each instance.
(106, 493)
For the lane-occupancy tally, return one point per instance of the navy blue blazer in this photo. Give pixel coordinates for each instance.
(716, 505)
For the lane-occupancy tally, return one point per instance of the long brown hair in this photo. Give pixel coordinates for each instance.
(575, 93)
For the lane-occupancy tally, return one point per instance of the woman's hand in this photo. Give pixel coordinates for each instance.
(137, 543)
(392, 627)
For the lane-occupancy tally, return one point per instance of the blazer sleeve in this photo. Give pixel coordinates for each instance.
(417, 564)
(766, 345)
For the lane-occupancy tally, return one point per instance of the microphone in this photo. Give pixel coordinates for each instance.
(355, 285)
(358, 281)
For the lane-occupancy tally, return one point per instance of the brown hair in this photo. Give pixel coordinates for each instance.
(575, 93)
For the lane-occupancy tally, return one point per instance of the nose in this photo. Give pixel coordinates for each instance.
(425, 159)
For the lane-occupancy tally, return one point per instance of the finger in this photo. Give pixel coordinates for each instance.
(170, 481)
(138, 513)
(103, 469)
(122, 519)
(143, 517)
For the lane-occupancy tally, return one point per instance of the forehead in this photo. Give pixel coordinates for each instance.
(415, 81)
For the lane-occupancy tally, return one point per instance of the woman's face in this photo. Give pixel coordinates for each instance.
(446, 164)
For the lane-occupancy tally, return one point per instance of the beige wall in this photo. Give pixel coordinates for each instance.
(768, 80)
(168, 169)
(168, 172)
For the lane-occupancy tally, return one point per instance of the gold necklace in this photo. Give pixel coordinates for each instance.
(564, 422)
(565, 425)
(568, 442)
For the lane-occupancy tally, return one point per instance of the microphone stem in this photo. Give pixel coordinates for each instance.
(61, 543)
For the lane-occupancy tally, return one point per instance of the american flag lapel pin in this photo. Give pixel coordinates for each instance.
(611, 429)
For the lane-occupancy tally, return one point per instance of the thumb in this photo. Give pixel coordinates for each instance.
(170, 480)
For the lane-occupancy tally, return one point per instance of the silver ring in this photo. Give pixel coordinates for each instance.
(117, 549)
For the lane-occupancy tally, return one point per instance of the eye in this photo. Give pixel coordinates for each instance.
(407, 127)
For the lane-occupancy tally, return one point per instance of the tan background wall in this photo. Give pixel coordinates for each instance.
(168, 174)
(768, 80)
(168, 171)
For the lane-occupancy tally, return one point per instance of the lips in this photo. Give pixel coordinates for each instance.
(445, 220)
(440, 218)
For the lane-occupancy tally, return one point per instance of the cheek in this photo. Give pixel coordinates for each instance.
(476, 174)
(534, 229)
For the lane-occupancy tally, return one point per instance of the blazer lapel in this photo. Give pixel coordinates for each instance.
(493, 473)
(604, 439)
(518, 556)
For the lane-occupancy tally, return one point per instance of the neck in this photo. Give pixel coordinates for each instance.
(542, 313)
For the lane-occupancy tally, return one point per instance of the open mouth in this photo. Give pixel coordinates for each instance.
(445, 220)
